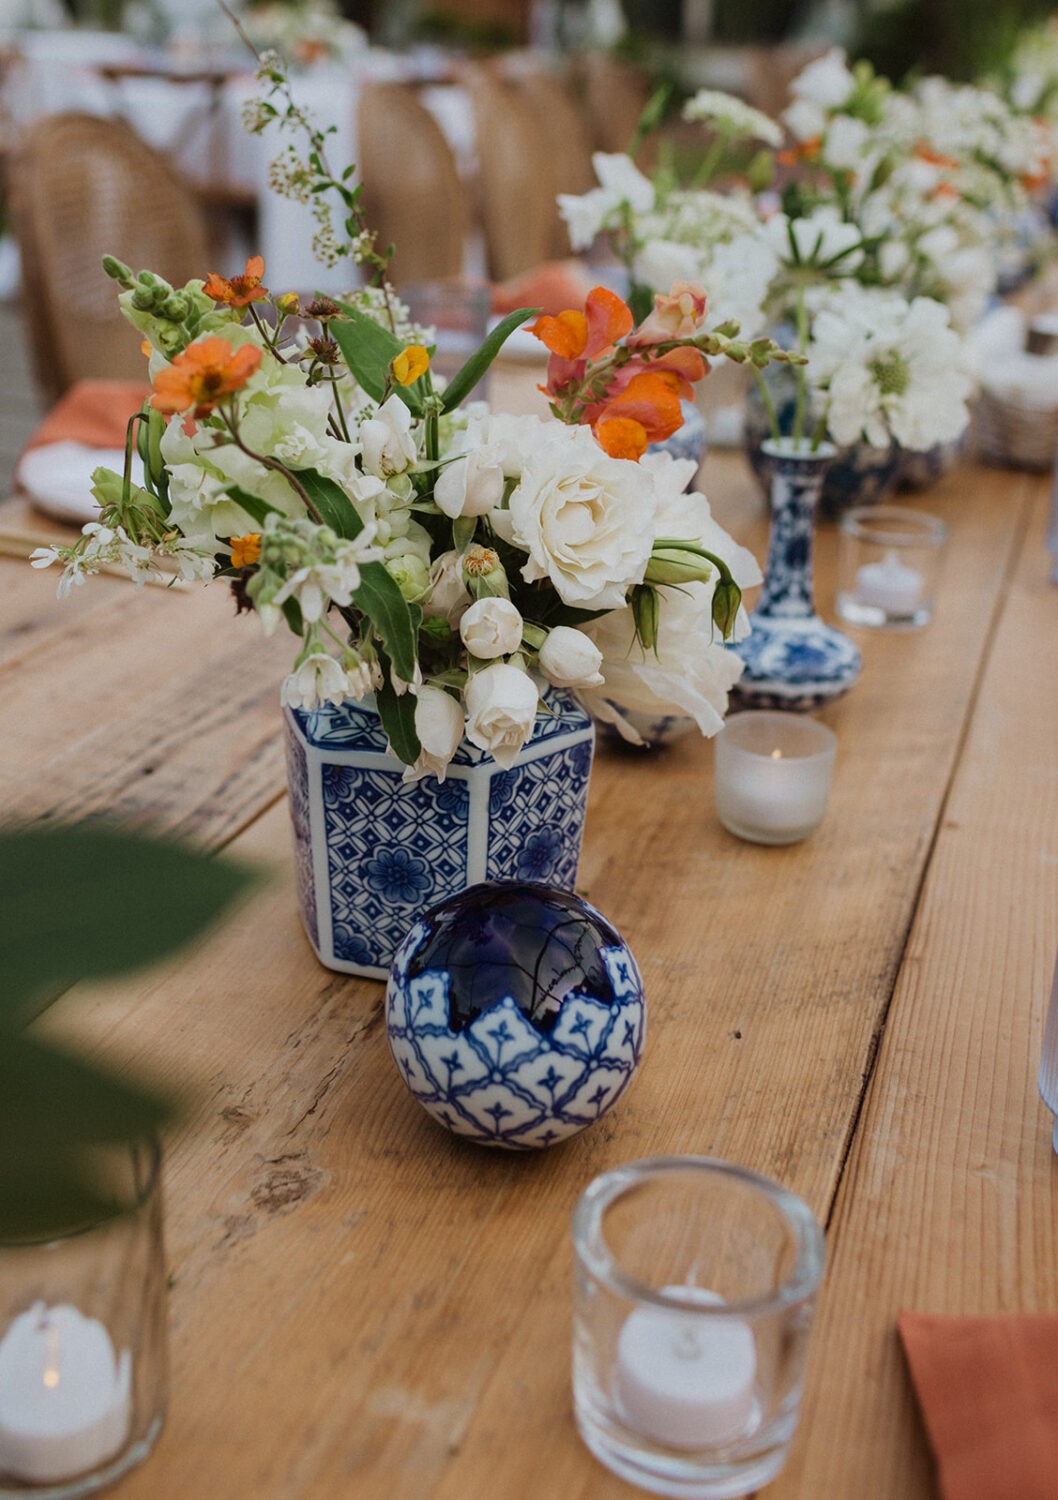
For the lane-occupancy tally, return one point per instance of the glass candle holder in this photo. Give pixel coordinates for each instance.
(83, 1341)
(772, 775)
(888, 566)
(695, 1283)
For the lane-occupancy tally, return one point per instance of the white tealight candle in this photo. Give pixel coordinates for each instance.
(65, 1399)
(683, 1380)
(890, 586)
(773, 775)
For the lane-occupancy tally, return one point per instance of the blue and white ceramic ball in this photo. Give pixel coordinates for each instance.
(515, 1014)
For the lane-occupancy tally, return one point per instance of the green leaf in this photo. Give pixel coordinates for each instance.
(333, 504)
(464, 381)
(89, 901)
(369, 350)
(53, 1099)
(398, 718)
(254, 507)
(389, 612)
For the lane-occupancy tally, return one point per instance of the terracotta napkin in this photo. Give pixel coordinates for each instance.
(988, 1389)
(92, 412)
(553, 286)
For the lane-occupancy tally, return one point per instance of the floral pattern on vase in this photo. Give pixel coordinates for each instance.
(372, 850)
(792, 658)
(515, 1015)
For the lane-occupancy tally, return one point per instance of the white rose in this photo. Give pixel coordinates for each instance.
(585, 519)
(569, 659)
(448, 596)
(501, 707)
(388, 444)
(491, 627)
(439, 725)
(471, 485)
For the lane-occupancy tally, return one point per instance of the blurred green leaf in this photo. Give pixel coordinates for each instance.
(466, 378)
(91, 901)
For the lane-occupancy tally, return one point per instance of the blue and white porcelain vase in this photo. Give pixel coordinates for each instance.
(515, 1014)
(793, 659)
(858, 474)
(374, 851)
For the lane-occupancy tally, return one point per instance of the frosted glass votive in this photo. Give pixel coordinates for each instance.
(888, 565)
(772, 775)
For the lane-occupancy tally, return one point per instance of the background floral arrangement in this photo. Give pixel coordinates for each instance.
(887, 224)
(447, 559)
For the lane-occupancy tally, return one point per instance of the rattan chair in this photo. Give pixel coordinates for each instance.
(80, 187)
(516, 187)
(412, 195)
(563, 129)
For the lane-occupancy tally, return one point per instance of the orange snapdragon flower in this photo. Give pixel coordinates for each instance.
(204, 374)
(240, 291)
(646, 411)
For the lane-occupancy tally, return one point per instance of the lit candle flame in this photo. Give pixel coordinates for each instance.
(776, 754)
(50, 1374)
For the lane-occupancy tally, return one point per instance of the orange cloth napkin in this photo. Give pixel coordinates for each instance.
(988, 1389)
(92, 412)
(553, 287)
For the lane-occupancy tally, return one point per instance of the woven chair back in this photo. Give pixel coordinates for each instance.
(413, 196)
(517, 201)
(80, 187)
(563, 128)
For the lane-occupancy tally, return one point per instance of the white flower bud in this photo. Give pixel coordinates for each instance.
(439, 725)
(501, 704)
(491, 627)
(473, 485)
(569, 659)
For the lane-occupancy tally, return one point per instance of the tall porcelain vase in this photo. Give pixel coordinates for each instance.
(793, 659)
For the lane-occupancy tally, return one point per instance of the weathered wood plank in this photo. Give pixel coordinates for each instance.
(362, 1305)
(950, 1202)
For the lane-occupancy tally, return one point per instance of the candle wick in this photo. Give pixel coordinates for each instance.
(687, 1345)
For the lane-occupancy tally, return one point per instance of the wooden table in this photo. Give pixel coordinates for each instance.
(363, 1306)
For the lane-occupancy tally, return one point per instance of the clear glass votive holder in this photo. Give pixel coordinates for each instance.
(83, 1375)
(889, 563)
(772, 774)
(695, 1284)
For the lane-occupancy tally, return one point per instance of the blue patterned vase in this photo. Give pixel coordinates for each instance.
(856, 475)
(793, 659)
(373, 851)
(515, 1014)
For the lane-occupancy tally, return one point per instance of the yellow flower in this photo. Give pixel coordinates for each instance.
(245, 550)
(409, 364)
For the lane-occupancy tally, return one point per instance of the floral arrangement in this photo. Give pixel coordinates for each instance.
(871, 260)
(445, 558)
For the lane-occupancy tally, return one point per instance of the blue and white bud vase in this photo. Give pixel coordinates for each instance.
(793, 659)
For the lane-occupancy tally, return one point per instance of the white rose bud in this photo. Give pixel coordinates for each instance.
(569, 659)
(439, 725)
(471, 486)
(491, 627)
(501, 706)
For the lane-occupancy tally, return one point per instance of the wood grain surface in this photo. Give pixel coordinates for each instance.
(363, 1306)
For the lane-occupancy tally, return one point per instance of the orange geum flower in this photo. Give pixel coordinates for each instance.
(409, 364)
(202, 375)
(246, 550)
(240, 291)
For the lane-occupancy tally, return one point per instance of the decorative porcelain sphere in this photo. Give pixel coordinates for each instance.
(515, 1014)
